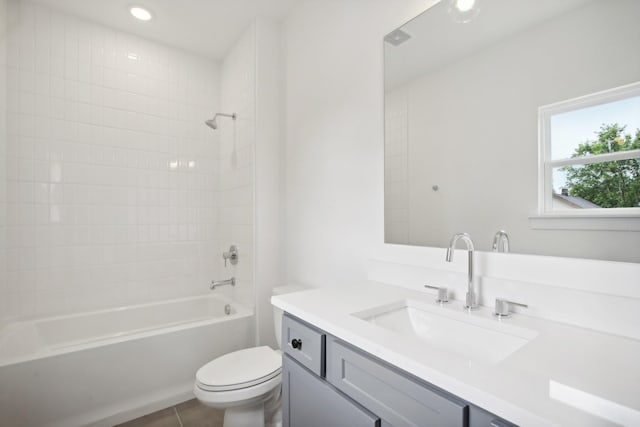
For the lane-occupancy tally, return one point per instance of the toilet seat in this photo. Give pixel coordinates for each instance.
(239, 370)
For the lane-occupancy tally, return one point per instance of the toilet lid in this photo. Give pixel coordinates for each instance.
(240, 369)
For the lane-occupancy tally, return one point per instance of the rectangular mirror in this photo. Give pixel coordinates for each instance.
(479, 134)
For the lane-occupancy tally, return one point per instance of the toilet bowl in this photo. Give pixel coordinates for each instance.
(241, 383)
(246, 383)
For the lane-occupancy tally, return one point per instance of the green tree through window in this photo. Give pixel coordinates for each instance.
(613, 184)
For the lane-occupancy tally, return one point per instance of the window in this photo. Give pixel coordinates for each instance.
(589, 163)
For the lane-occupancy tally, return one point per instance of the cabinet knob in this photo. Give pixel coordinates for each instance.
(296, 343)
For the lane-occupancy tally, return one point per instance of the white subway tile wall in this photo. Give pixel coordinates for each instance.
(112, 177)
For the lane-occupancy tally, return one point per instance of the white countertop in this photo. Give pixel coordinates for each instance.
(565, 376)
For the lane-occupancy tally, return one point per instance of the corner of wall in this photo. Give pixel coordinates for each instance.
(236, 210)
(269, 193)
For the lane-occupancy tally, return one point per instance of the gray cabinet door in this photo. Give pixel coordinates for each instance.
(395, 397)
(309, 401)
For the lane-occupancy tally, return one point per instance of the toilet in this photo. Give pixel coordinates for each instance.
(246, 383)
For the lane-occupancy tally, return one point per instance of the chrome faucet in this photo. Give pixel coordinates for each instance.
(231, 255)
(216, 283)
(471, 300)
(503, 307)
(501, 241)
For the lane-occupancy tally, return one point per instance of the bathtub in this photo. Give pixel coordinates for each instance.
(105, 367)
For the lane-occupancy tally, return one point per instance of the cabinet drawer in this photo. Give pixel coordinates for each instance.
(392, 395)
(312, 402)
(304, 343)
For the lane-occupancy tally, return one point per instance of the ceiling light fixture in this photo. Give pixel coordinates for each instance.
(463, 11)
(464, 5)
(140, 13)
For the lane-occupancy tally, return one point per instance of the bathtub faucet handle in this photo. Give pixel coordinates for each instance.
(231, 255)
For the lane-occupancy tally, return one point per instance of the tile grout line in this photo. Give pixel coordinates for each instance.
(177, 415)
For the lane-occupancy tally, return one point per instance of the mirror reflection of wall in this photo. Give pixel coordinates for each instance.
(461, 121)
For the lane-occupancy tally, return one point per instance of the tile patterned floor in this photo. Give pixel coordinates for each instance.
(187, 414)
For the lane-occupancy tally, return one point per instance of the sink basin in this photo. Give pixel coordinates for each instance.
(456, 331)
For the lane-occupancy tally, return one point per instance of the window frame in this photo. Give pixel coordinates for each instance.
(546, 164)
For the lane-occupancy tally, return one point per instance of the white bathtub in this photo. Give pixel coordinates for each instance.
(108, 366)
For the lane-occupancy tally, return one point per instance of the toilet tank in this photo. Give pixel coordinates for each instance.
(277, 313)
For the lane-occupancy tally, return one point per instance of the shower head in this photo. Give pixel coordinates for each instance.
(212, 122)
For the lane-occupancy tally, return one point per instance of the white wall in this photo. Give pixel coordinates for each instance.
(334, 154)
(270, 257)
(3, 153)
(334, 135)
(112, 176)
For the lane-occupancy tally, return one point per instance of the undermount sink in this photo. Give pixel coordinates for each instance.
(465, 334)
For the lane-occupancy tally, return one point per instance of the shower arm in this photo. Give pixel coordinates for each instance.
(232, 115)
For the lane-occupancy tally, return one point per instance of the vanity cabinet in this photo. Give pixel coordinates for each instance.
(312, 402)
(398, 399)
(328, 382)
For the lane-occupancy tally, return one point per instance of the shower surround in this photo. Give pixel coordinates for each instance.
(117, 195)
(112, 179)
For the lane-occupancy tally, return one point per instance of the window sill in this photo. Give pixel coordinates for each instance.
(594, 222)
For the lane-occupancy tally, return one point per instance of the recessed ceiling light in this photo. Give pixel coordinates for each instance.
(463, 11)
(141, 13)
(465, 5)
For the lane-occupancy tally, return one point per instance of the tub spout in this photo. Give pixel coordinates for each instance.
(216, 283)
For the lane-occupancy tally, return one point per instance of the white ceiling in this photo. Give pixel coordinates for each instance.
(207, 27)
